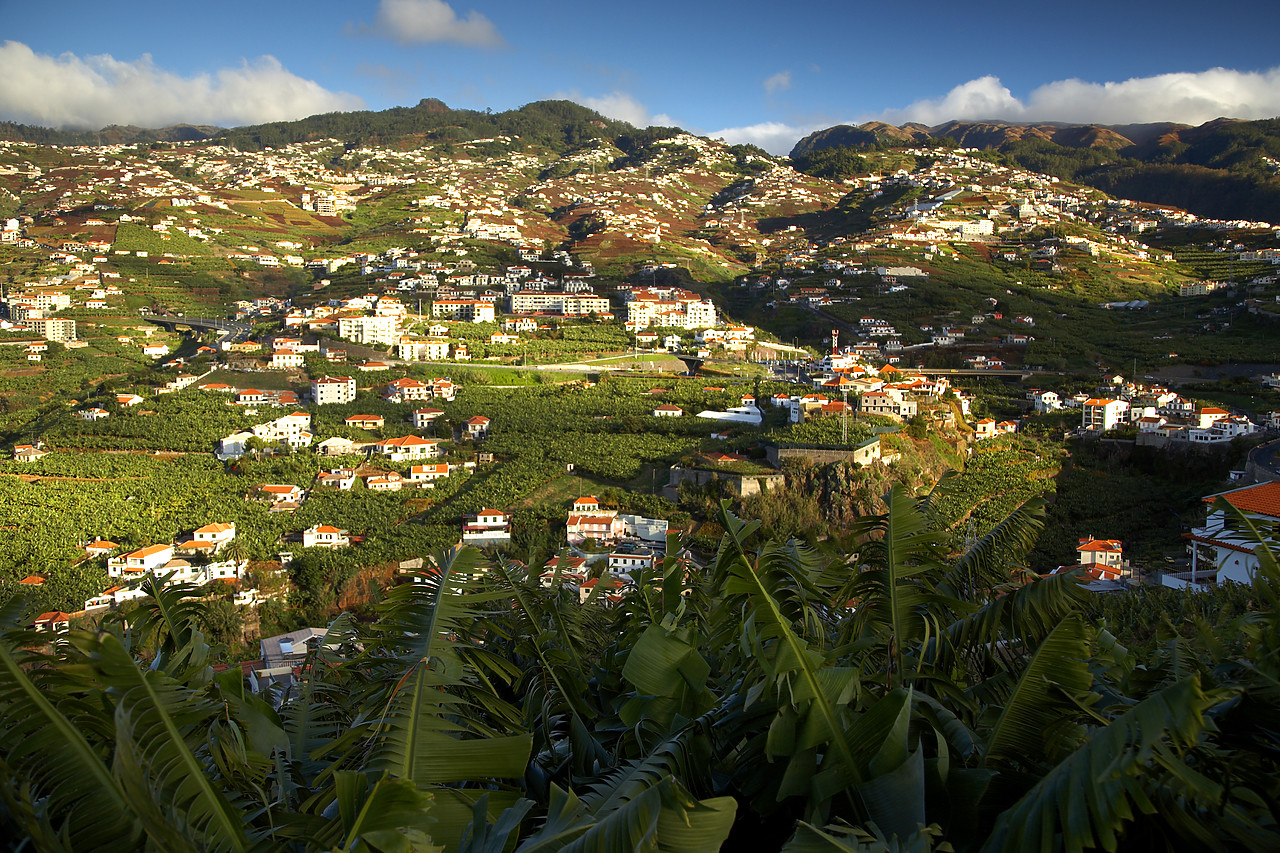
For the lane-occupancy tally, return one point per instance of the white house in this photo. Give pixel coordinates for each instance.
(476, 427)
(425, 417)
(325, 536)
(1223, 548)
(408, 447)
(428, 473)
(139, 562)
(490, 527)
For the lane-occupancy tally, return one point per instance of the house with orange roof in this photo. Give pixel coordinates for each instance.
(28, 452)
(476, 427)
(280, 492)
(985, 428)
(32, 580)
(100, 548)
(141, 561)
(401, 390)
(1102, 559)
(365, 421)
(1099, 414)
(1223, 548)
(325, 536)
(407, 448)
(487, 527)
(586, 503)
(1209, 414)
(388, 481)
(54, 622)
(425, 475)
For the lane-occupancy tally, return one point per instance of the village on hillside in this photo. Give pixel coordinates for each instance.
(355, 354)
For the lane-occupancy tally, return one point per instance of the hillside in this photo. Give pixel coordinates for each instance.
(559, 125)
(1225, 169)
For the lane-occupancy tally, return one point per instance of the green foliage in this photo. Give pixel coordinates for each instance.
(560, 125)
(910, 696)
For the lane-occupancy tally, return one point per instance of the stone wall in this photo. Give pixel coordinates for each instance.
(742, 485)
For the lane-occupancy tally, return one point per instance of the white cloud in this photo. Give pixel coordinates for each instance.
(622, 107)
(1188, 97)
(779, 82)
(773, 136)
(985, 97)
(426, 21)
(94, 91)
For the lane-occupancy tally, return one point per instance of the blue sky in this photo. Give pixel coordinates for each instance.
(750, 71)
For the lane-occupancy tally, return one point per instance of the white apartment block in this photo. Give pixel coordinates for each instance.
(466, 310)
(382, 330)
(53, 328)
(333, 389)
(569, 304)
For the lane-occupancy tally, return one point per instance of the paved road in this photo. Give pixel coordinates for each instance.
(227, 327)
(1264, 456)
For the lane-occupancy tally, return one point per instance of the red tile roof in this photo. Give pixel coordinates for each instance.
(1263, 499)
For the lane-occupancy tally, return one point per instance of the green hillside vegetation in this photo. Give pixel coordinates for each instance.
(559, 125)
(1215, 170)
(958, 704)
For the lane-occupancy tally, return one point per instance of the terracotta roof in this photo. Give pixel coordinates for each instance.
(1263, 499)
(150, 550)
(1100, 545)
(215, 527)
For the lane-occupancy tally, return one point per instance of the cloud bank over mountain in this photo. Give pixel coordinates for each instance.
(91, 92)
(1186, 97)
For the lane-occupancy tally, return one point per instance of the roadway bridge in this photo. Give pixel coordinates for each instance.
(228, 328)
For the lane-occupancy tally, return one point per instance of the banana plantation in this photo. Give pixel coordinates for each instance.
(899, 691)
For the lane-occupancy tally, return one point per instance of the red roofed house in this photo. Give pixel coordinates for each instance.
(573, 571)
(325, 536)
(219, 533)
(365, 421)
(100, 548)
(55, 622)
(490, 527)
(1102, 414)
(424, 475)
(1209, 414)
(408, 447)
(477, 427)
(138, 562)
(668, 411)
(588, 503)
(600, 527)
(279, 493)
(1224, 547)
(389, 481)
(1103, 559)
(28, 452)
